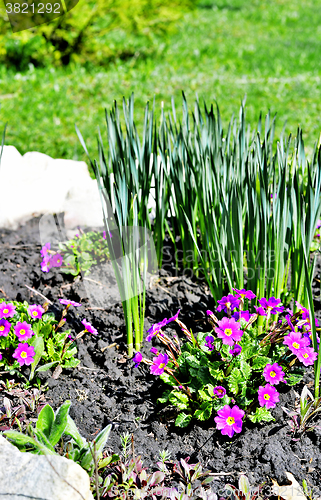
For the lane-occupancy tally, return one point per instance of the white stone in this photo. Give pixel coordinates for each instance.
(36, 184)
(39, 477)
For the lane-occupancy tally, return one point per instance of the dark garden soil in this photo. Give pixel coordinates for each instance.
(106, 388)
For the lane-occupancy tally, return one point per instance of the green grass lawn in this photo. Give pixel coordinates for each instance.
(268, 50)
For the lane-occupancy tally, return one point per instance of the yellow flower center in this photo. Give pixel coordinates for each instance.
(1, 328)
(34, 313)
(266, 396)
(6, 311)
(162, 365)
(23, 354)
(58, 261)
(230, 421)
(228, 331)
(305, 355)
(22, 332)
(272, 374)
(228, 304)
(295, 345)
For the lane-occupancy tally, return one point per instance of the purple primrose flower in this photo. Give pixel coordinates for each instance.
(296, 342)
(56, 260)
(153, 350)
(89, 327)
(46, 264)
(35, 311)
(155, 328)
(137, 359)
(219, 391)
(237, 349)
(272, 304)
(229, 331)
(7, 310)
(4, 327)
(24, 354)
(274, 374)
(268, 396)
(44, 250)
(246, 315)
(68, 303)
(209, 342)
(228, 302)
(159, 364)
(307, 356)
(229, 420)
(245, 294)
(260, 311)
(23, 330)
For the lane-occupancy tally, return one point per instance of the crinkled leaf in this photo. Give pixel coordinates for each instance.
(179, 399)
(294, 377)
(204, 412)
(246, 369)
(260, 362)
(168, 379)
(50, 348)
(164, 397)
(183, 420)
(71, 363)
(234, 380)
(261, 414)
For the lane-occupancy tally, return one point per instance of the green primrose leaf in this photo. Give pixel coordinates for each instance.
(87, 460)
(46, 367)
(164, 398)
(59, 423)
(246, 369)
(260, 362)
(204, 396)
(50, 348)
(39, 347)
(193, 361)
(42, 438)
(70, 352)
(216, 373)
(70, 363)
(108, 460)
(45, 420)
(72, 431)
(234, 381)
(179, 399)
(21, 441)
(183, 420)
(46, 330)
(204, 412)
(295, 377)
(168, 379)
(261, 415)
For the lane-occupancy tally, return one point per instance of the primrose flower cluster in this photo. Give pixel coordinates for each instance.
(77, 254)
(235, 370)
(28, 331)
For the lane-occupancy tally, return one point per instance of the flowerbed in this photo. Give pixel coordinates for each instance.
(106, 388)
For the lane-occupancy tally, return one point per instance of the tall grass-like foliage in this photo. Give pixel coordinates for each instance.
(124, 186)
(235, 199)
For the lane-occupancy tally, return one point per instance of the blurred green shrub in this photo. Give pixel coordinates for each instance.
(92, 32)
